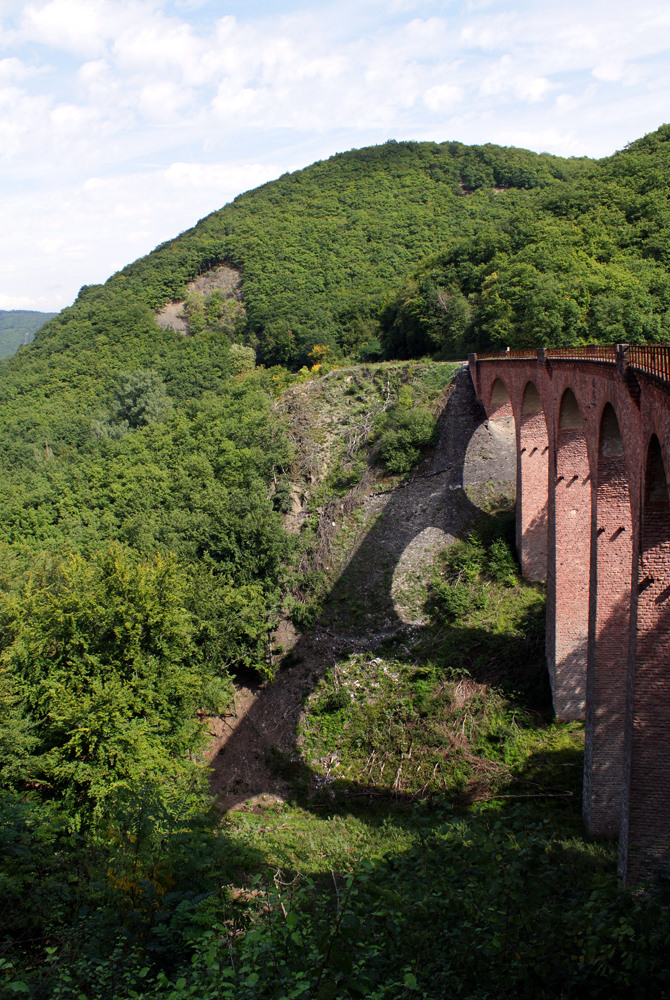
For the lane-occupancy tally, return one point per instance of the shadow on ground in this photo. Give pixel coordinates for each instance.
(377, 597)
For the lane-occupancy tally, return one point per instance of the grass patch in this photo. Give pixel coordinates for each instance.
(425, 732)
(297, 839)
(461, 715)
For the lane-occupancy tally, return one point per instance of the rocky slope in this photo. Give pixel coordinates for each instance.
(378, 542)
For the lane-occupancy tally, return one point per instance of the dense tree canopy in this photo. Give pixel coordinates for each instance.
(527, 248)
(320, 249)
(584, 261)
(143, 476)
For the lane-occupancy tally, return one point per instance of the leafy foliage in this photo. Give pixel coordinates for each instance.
(144, 559)
(320, 249)
(103, 651)
(406, 432)
(141, 399)
(578, 262)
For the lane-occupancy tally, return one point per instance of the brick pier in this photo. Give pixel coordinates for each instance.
(593, 519)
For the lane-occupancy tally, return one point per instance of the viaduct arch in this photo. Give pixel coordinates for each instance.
(592, 432)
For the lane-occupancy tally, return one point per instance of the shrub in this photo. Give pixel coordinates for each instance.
(407, 434)
(241, 359)
(501, 565)
(141, 398)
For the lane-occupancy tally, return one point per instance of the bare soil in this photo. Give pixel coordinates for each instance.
(223, 279)
(377, 595)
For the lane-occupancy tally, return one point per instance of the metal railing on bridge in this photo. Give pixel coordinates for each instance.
(648, 359)
(651, 360)
(592, 352)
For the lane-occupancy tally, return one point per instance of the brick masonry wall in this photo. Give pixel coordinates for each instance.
(572, 573)
(533, 495)
(612, 562)
(649, 809)
(628, 637)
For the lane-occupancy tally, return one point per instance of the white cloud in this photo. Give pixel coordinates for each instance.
(487, 33)
(39, 302)
(78, 26)
(444, 97)
(14, 70)
(159, 46)
(80, 234)
(227, 179)
(618, 71)
(507, 76)
(21, 118)
(93, 90)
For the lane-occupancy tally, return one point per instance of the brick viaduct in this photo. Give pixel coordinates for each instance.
(593, 520)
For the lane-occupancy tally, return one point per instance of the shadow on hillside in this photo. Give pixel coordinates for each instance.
(372, 602)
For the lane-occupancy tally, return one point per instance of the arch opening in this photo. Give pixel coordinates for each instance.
(570, 417)
(571, 564)
(500, 426)
(501, 405)
(612, 562)
(533, 489)
(646, 852)
(532, 402)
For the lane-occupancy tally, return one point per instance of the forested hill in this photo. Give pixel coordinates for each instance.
(521, 248)
(399, 250)
(18, 326)
(147, 467)
(582, 261)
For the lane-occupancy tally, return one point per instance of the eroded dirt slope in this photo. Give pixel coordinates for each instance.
(383, 545)
(222, 279)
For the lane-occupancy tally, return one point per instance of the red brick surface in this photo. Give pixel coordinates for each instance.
(606, 645)
(572, 554)
(612, 564)
(649, 806)
(532, 500)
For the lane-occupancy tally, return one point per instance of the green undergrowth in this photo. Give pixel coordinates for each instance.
(315, 842)
(420, 731)
(461, 709)
(365, 415)
(497, 902)
(432, 846)
(485, 620)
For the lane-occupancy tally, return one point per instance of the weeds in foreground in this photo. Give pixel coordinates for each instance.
(460, 713)
(434, 846)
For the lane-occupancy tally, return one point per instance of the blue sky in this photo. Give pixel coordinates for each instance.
(124, 121)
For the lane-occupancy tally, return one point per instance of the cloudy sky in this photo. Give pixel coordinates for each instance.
(122, 122)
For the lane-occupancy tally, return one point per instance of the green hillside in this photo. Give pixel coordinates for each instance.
(18, 327)
(168, 498)
(320, 250)
(399, 250)
(580, 243)
(580, 262)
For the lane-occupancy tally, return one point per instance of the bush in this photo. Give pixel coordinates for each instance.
(218, 694)
(456, 601)
(501, 564)
(334, 702)
(407, 434)
(241, 359)
(140, 399)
